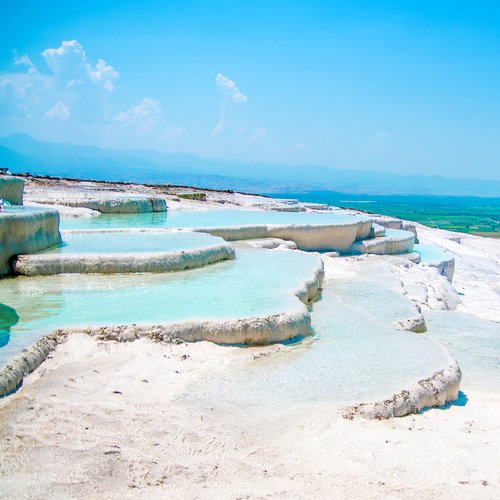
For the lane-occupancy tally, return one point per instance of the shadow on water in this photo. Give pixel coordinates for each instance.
(8, 318)
(461, 400)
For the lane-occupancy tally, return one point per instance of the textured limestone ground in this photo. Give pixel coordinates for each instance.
(109, 420)
(94, 424)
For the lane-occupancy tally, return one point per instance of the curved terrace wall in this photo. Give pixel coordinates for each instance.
(26, 230)
(108, 203)
(439, 388)
(395, 241)
(324, 237)
(138, 259)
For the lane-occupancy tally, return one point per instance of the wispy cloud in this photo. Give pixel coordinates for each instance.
(25, 61)
(231, 93)
(221, 123)
(142, 116)
(230, 89)
(257, 134)
(59, 113)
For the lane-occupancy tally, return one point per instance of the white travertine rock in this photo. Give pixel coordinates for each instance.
(270, 243)
(106, 203)
(390, 244)
(26, 230)
(436, 390)
(377, 230)
(326, 237)
(11, 376)
(147, 262)
(11, 189)
(70, 212)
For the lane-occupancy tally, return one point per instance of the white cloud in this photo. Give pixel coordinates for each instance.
(258, 133)
(70, 55)
(142, 116)
(68, 78)
(221, 123)
(231, 93)
(230, 89)
(69, 63)
(25, 61)
(103, 74)
(60, 113)
(24, 92)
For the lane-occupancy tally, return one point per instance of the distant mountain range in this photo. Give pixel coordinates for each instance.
(21, 153)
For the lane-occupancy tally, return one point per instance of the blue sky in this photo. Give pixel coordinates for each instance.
(399, 86)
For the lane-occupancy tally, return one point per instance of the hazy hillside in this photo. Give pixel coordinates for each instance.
(22, 153)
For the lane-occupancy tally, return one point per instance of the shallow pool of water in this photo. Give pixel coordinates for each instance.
(474, 342)
(432, 255)
(257, 283)
(206, 218)
(356, 355)
(132, 242)
(397, 233)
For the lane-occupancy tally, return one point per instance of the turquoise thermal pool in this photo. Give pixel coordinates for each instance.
(396, 233)
(131, 241)
(432, 255)
(357, 354)
(220, 291)
(207, 218)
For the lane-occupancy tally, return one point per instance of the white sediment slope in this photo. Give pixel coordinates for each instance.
(119, 420)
